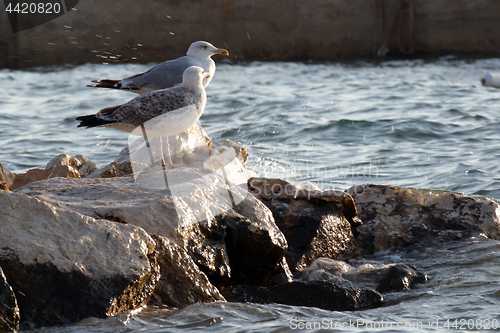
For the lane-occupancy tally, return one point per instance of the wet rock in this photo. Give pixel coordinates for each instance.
(320, 294)
(315, 223)
(325, 269)
(9, 311)
(80, 163)
(181, 282)
(6, 177)
(255, 245)
(64, 266)
(401, 277)
(33, 175)
(395, 216)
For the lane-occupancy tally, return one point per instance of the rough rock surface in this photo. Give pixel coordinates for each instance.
(181, 282)
(6, 177)
(401, 277)
(395, 216)
(320, 294)
(9, 311)
(34, 175)
(315, 223)
(64, 266)
(82, 164)
(254, 243)
(185, 212)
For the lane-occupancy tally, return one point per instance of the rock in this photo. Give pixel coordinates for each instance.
(243, 239)
(320, 294)
(394, 216)
(82, 164)
(255, 245)
(33, 175)
(9, 311)
(325, 269)
(401, 277)
(6, 177)
(315, 224)
(181, 282)
(114, 169)
(192, 148)
(154, 210)
(64, 266)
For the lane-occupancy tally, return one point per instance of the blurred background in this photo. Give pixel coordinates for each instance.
(111, 31)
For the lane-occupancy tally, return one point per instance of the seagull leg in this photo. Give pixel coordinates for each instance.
(168, 158)
(147, 143)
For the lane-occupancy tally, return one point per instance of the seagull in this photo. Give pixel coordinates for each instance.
(169, 73)
(164, 112)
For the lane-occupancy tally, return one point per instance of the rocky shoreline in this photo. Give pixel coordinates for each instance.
(81, 242)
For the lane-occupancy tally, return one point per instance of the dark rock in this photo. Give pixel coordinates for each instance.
(320, 294)
(181, 282)
(9, 311)
(315, 223)
(64, 266)
(401, 277)
(399, 217)
(255, 245)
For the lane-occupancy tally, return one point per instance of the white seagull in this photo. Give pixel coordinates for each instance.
(169, 73)
(160, 113)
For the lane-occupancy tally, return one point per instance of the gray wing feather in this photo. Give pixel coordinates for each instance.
(148, 106)
(165, 75)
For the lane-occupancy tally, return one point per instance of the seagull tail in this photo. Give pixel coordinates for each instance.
(92, 121)
(106, 83)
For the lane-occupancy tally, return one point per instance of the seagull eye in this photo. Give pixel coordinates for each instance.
(203, 47)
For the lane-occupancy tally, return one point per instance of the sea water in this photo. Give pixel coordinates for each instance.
(421, 123)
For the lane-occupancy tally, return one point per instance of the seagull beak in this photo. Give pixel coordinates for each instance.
(221, 51)
(206, 75)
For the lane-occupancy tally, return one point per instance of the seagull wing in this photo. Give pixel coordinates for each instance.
(165, 75)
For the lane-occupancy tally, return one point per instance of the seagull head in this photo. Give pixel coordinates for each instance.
(204, 50)
(193, 77)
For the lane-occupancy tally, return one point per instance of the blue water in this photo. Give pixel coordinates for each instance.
(413, 123)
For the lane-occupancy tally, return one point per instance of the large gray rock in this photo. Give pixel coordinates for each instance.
(315, 224)
(9, 311)
(181, 282)
(154, 210)
(396, 216)
(64, 266)
(218, 223)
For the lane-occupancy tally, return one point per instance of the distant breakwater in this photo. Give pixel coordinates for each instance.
(108, 31)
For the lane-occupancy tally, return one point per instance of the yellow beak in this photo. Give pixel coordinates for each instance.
(221, 51)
